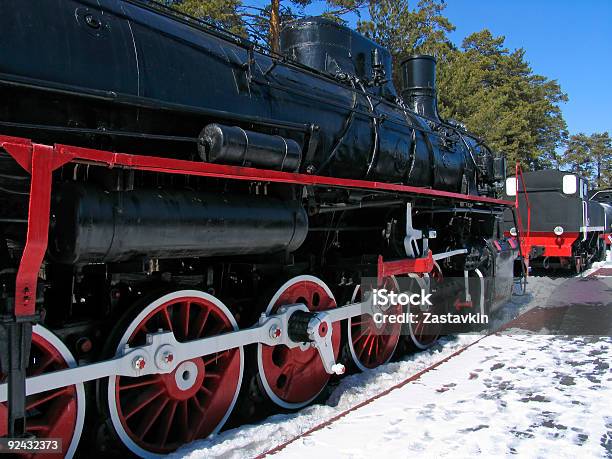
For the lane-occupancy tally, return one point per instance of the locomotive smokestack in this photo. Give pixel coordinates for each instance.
(419, 85)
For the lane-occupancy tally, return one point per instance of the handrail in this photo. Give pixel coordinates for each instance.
(524, 241)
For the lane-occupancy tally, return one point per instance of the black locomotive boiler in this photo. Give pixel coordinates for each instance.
(186, 219)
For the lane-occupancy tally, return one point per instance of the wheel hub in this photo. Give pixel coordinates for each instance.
(185, 381)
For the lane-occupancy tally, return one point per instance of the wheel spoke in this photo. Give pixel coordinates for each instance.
(362, 333)
(185, 318)
(167, 423)
(38, 399)
(143, 401)
(216, 357)
(365, 345)
(139, 383)
(187, 435)
(41, 367)
(203, 318)
(150, 417)
(206, 391)
(168, 319)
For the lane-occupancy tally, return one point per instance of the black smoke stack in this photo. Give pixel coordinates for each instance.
(419, 85)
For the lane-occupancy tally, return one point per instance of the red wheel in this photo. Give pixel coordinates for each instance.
(292, 378)
(56, 413)
(424, 334)
(156, 414)
(372, 344)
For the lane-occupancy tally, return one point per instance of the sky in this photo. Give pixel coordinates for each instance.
(566, 40)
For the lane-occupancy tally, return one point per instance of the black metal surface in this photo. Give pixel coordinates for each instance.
(419, 85)
(333, 49)
(100, 226)
(233, 145)
(298, 326)
(140, 71)
(15, 344)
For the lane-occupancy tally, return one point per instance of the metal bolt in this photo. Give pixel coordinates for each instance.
(275, 332)
(168, 357)
(139, 362)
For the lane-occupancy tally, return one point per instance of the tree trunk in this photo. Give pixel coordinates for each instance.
(275, 25)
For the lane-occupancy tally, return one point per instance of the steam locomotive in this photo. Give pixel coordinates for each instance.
(187, 220)
(569, 226)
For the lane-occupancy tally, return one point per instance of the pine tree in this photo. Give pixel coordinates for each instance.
(601, 156)
(406, 31)
(223, 13)
(494, 91)
(590, 157)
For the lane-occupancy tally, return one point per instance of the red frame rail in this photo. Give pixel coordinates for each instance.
(41, 160)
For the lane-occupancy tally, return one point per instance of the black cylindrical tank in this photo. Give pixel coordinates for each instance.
(93, 226)
(233, 145)
(419, 85)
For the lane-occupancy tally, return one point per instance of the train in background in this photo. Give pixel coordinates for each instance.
(563, 224)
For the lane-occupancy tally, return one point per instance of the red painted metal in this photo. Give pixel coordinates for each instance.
(463, 304)
(405, 266)
(40, 161)
(295, 376)
(51, 414)
(155, 412)
(182, 167)
(554, 246)
(607, 238)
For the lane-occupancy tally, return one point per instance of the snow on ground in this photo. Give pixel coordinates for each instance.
(530, 395)
(523, 393)
(251, 440)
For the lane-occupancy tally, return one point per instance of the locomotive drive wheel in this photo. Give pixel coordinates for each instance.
(422, 334)
(57, 413)
(292, 378)
(155, 414)
(371, 344)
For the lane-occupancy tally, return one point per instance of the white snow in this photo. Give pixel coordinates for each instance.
(516, 393)
(529, 395)
(251, 440)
